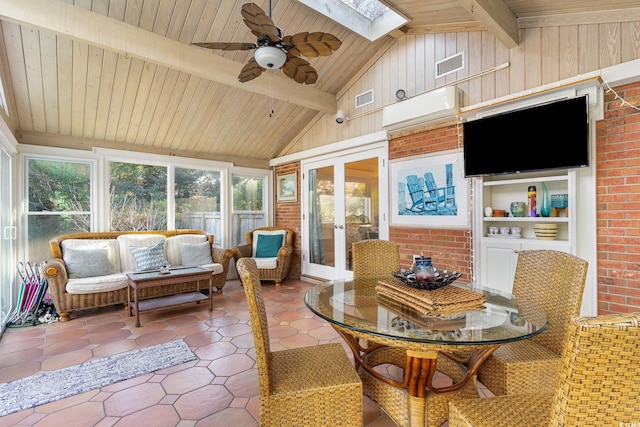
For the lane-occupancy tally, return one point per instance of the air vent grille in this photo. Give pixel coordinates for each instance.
(364, 98)
(450, 65)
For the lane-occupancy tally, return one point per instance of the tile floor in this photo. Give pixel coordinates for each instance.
(218, 389)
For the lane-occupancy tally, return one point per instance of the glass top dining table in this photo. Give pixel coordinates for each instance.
(360, 315)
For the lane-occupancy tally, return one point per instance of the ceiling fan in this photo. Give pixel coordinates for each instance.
(274, 50)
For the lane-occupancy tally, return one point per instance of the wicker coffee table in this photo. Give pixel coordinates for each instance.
(148, 279)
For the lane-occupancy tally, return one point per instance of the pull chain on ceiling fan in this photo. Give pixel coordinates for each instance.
(274, 50)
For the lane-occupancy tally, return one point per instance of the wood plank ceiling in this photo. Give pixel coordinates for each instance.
(122, 73)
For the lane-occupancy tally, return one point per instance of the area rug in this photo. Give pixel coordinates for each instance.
(47, 387)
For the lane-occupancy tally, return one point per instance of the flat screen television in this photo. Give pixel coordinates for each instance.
(554, 135)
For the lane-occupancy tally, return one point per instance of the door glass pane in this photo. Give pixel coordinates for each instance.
(361, 203)
(248, 206)
(321, 216)
(137, 197)
(59, 202)
(197, 201)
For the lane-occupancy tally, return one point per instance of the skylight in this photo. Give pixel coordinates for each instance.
(372, 9)
(369, 18)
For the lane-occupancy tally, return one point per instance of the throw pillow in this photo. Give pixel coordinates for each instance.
(268, 245)
(195, 254)
(149, 258)
(86, 262)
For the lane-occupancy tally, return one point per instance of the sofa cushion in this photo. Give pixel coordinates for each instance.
(150, 257)
(268, 242)
(111, 245)
(172, 246)
(94, 285)
(127, 261)
(86, 262)
(267, 263)
(195, 254)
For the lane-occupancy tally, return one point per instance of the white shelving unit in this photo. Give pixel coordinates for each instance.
(498, 255)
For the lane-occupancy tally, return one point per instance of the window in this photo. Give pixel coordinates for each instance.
(248, 200)
(59, 202)
(197, 201)
(137, 197)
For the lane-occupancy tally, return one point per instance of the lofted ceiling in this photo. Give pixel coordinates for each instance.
(123, 73)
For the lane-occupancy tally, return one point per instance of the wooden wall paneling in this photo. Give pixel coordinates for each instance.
(516, 67)
(105, 93)
(129, 98)
(488, 60)
(33, 81)
(140, 101)
(188, 110)
(94, 71)
(440, 52)
(64, 55)
(161, 111)
(550, 66)
(7, 84)
(79, 88)
(407, 74)
(589, 52)
(429, 63)
(462, 45)
(49, 80)
(195, 12)
(474, 65)
(501, 77)
(420, 64)
(568, 51)
(123, 64)
(451, 48)
(192, 139)
(630, 35)
(149, 17)
(610, 44)
(153, 99)
(532, 56)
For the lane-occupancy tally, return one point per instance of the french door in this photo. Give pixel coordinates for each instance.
(344, 200)
(7, 239)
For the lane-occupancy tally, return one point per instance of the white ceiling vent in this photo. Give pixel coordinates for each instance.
(450, 65)
(364, 98)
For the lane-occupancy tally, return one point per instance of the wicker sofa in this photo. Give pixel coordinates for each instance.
(72, 288)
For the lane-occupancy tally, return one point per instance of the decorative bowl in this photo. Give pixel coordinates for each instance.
(546, 231)
(443, 278)
(518, 208)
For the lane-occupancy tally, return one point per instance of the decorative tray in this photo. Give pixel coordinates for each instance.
(443, 278)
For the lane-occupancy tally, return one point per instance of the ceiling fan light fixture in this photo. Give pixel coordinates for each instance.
(270, 57)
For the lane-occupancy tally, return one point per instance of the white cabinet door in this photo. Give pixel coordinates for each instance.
(498, 259)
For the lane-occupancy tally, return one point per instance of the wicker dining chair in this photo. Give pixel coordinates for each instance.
(375, 257)
(555, 282)
(307, 386)
(597, 385)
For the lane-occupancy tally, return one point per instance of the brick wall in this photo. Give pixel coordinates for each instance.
(618, 202)
(449, 249)
(288, 214)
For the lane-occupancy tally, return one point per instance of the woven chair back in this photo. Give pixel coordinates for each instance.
(248, 273)
(598, 383)
(288, 240)
(375, 258)
(555, 282)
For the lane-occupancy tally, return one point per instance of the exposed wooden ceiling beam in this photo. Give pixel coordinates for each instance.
(497, 18)
(595, 17)
(79, 24)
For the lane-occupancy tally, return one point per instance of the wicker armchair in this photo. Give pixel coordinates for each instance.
(375, 258)
(270, 268)
(597, 385)
(554, 281)
(307, 386)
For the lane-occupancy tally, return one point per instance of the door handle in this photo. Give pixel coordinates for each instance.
(341, 227)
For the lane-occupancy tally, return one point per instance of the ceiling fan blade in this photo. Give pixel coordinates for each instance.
(225, 46)
(250, 71)
(300, 70)
(259, 23)
(312, 45)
